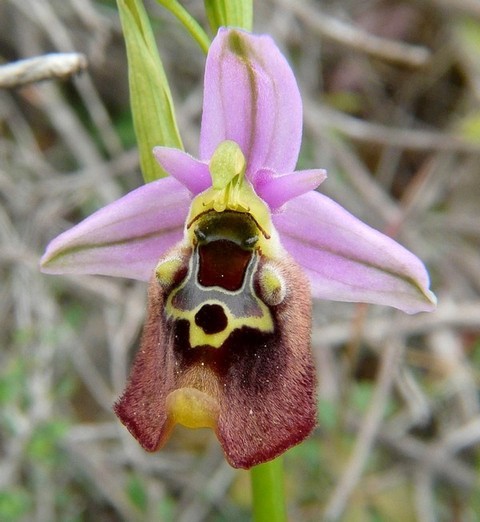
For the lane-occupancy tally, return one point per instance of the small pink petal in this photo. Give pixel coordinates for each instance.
(346, 260)
(184, 168)
(125, 238)
(251, 97)
(276, 190)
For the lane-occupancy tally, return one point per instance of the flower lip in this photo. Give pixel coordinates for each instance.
(256, 389)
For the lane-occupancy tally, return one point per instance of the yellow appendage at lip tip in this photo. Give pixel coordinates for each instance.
(192, 408)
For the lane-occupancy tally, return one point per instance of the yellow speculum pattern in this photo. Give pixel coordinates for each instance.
(228, 211)
(262, 320)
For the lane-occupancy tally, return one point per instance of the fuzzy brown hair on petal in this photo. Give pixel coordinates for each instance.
(142, 407)
(263, 382)
(268, 402)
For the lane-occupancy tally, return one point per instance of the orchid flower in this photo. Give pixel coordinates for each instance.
(234, 245)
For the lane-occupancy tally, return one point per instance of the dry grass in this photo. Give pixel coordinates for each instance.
(392, 98)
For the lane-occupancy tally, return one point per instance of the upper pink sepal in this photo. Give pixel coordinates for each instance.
(251, 97)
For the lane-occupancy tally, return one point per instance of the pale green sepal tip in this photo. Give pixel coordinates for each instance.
(227, 162)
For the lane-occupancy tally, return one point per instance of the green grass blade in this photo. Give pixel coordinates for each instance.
(150, 97)
(192, 26)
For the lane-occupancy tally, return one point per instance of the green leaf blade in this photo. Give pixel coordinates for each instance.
(150, 97)
(229, 13)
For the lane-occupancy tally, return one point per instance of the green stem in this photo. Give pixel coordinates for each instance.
(268, 492)
(188, 22)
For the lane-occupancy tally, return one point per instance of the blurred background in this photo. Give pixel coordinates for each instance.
(391, 92)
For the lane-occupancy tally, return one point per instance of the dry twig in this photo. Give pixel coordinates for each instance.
(46, 67)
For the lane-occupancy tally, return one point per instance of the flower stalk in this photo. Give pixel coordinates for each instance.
(268, 491)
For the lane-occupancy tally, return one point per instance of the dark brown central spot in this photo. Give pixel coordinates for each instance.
(223, 263)
(211, 319)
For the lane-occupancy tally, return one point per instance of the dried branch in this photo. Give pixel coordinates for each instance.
(356, 38)
(367, 433)
(39, 68)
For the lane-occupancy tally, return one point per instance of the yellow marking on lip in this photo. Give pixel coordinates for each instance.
(199, 338)
(263, 321)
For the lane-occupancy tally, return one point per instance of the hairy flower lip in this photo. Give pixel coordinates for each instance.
(262, 381)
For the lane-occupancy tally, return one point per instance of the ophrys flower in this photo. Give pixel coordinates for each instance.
(231, 244)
